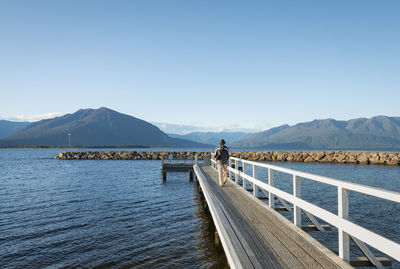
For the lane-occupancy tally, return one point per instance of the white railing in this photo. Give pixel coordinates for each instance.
(346, 228)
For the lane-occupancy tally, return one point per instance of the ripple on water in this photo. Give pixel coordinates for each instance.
(59, 214)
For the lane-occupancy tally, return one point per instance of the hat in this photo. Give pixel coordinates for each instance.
(222, 142)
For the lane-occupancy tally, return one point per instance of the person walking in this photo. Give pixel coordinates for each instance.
(221, 155)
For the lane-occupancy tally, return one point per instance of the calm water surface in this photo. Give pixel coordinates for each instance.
(104, 214)
(119, 214)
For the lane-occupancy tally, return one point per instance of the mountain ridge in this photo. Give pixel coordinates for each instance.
(94, 127)
(211, 137)
(103, 126)
(379, 132)
(9, 127)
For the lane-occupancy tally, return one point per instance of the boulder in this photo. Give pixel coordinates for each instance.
(320, 156)
(309, 159)
(363, 159)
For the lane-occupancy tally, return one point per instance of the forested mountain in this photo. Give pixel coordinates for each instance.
(94, 127)
(379, 132)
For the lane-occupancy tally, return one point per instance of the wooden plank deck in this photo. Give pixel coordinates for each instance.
(177, 167)
(256, 236)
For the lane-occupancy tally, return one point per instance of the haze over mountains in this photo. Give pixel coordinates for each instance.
(106, 127)
(94, 127)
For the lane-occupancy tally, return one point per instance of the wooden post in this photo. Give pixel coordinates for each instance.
(163, 172)
(217, 241)
(296, 193)
(191, 175)
(343, 212)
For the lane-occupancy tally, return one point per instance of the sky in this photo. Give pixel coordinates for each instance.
(217, 64)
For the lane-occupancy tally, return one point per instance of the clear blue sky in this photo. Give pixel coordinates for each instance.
(254, 64)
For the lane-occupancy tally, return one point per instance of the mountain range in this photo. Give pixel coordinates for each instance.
(211, 137)
(106, 127)
(379, 132)
(94, 127)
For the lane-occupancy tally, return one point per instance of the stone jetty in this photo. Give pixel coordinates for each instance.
(129, 155)
(345, 157)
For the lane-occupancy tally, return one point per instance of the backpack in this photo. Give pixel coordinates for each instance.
(222, 154)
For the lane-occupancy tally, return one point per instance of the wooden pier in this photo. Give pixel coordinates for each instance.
(256, 236)
(174, 166)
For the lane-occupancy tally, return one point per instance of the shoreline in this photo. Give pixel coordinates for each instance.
(343, 157)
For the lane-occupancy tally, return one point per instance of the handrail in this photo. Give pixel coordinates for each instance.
(232, 256)
(346, 228)
(372, 191)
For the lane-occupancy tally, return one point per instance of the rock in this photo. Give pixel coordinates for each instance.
(376, 160)
(299, 158)
(392, 162)
(309, 159)
(362, 159)
(320, 156)
(327, 159)
(340, 158)
(281, 156)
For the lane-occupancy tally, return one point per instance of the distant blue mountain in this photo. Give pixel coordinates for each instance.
(9, 127)
(211, 137)
(379, 132)
(94, 127)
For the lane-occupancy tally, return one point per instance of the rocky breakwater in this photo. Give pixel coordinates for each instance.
(345, 157)
(129, 155)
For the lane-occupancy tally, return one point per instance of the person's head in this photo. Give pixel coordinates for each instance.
(222, 142)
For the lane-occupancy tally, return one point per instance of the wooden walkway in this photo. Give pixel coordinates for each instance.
(254, 235)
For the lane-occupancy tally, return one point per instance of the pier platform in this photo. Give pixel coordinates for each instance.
(256, 236)
(176, 167)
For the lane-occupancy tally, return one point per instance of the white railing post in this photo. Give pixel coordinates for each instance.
(237, 170)
(271, 196)
(255, 187)
(229, 171)
(346, 229)
(343, 212)
(243, 179)
(296, 193)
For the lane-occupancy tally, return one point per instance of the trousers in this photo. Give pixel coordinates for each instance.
(222, 173)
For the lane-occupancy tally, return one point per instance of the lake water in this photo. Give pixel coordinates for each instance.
(103, 214)
(119, 214)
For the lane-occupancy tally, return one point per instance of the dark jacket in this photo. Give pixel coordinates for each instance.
(221, 154)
